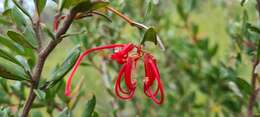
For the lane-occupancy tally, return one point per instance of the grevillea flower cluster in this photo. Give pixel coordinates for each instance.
(128, 56)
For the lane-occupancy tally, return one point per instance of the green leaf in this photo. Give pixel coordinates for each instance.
(213, 51)
(6, 55)
(18, 89)
(84, 40)
(244, 86)
(95, 114)
(61, 94)
(67, 3)
(11, 71)
(150, 35)
(244, 24)
(18, 17)
(6, 4)
(4, 85)
(24, 63)
(11, 45)
(253, 28)
(65, 67)
(22, 9)
(4, 112)
(90, 106)
(4, 21)
(40, 94)
(258, 50)
(65, 113)
(20, 39)
(36, 114)
(195, 29)
(7, 12)
(181, 11)
(148, 9)
(40, 5)
(30, 36)
(242, 3)
(87, 6)
(48, 31)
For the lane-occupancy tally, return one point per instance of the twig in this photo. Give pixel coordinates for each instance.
(127, 19)
(255, 90)
(42, 55)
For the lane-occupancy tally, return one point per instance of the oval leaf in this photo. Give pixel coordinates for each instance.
(61, 70)
(10, 44)
(18, 17)
(40, 94)
(11, 71)
(20, 39)
(150, 35)
(23, 62)
(8, 56)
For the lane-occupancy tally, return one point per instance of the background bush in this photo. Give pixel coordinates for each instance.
(209, 67)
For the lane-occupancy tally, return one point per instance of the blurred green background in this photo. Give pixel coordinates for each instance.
(206, 67)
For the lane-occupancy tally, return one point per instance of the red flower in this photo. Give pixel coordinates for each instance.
(129, 57)
(122, 55)
(151, 75)
(126, 70)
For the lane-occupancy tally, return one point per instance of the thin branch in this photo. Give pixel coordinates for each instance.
(255, 90)
(127, 19)
(42, 55)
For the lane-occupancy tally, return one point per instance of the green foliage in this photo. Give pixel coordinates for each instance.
(206, 69)
(61, 70)
(89, 109)
(87, 6)
(40, 4)
(20, 39)
(12, 71)
(150, 35)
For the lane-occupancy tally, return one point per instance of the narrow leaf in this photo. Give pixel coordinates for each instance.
(242, 3)
(66, 4)
(7, 55)
(40, 5)
(11, 71)
(30, 36)
(253, 28)
(23, 62)
(18, 17)
(22, 9)
(48, 31)
(244, 86)
(20, 39)
(65, 113)
(65, 67)
(40, 94)
(90, 106)
(6, 4)
(10, 44)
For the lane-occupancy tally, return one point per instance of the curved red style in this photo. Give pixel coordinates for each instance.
(68, 83)
(128, 56)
